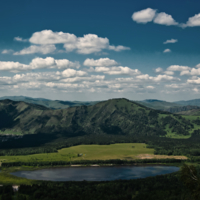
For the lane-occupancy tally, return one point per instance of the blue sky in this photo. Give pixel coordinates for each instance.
(96, 50)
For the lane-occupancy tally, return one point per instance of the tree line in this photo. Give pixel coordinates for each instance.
(90, 162)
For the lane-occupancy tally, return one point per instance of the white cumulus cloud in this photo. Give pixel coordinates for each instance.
(43, 49)
(170, 41)
(164, 19)
(19, 39)
(164, 78)
(169, 72)
(195, 81)
(198, 66)
(64, 63)
(106, 62)
(150, 87)
(12, 66)
(7, 51)
(118, 48)
(117, 70)
(38, 63)
(158, 70)
(144, 16)
(178, 68)
(89, 43)
(50, 37)
(192, 21)
(167, 51)
(72, 72)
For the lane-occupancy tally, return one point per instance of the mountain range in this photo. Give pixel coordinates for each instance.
(53, 104)
(115, 116)
(173, 107)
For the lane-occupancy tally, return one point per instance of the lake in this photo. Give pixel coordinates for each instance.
(96, 173)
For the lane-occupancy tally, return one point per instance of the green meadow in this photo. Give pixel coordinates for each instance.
(121, 151)
(87, 152)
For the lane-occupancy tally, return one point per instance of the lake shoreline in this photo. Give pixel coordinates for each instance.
(96, 173)
(32, 168)
(7, 178)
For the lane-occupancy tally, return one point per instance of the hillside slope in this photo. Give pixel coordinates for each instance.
(115, 116)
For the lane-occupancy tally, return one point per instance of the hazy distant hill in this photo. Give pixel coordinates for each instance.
(158, 104)
(182, 109)
(171, 107)
(115, 116)
(53, 104)
(193, 102)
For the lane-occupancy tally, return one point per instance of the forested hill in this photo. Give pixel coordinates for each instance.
(115, 116)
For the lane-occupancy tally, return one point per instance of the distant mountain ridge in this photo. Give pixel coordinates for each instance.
(53, 104)
(182, 109)
(152, 100)
(157, 104)
(173, 107)
(193, 102)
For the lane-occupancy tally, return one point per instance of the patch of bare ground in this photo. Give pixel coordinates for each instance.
(150, 156)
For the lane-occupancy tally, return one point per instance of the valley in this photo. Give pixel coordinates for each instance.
(108, 133)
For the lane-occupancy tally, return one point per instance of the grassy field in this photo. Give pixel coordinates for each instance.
(106, 152)
(122, 151)
(6, 178)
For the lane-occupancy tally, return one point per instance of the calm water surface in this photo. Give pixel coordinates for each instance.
(96, 173)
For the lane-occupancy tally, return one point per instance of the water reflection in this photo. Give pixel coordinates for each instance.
(96, 173)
